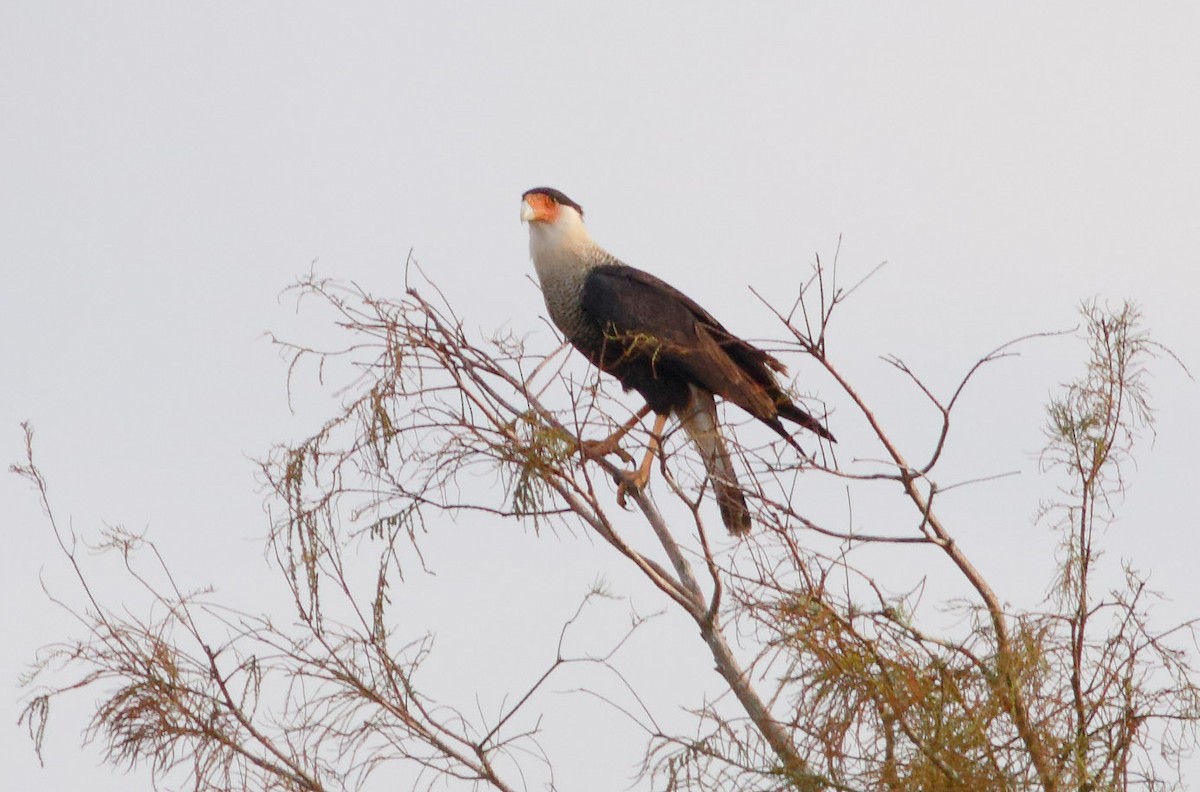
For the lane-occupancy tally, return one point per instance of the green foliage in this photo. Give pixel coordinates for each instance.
(534, 452)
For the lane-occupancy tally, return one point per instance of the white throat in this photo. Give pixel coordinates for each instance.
(562, 250)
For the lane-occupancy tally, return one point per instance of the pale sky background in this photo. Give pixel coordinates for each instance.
(167, 169)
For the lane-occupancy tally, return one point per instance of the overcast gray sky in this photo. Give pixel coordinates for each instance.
(167, 169)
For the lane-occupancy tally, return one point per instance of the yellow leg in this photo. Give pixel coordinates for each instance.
(598, 449)
(641, 477)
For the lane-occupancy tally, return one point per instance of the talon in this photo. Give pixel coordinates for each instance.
(631, 479)
(598, 449)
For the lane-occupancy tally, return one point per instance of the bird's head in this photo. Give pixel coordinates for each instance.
(556, 230)
(546, 205)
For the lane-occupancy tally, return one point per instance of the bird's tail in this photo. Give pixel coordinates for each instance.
(700, 422)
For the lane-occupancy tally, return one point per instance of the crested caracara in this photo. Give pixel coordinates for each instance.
(657, 341)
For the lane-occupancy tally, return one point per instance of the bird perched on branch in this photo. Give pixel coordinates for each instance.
(657, 341)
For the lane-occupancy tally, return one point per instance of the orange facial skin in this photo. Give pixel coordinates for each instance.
(545, 209)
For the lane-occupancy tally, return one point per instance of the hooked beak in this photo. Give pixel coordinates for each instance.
(527, 213)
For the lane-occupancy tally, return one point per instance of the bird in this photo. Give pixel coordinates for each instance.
(657, 341)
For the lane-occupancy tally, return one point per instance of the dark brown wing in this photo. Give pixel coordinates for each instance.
(660, 340)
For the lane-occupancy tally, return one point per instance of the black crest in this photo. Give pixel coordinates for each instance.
(557, 196)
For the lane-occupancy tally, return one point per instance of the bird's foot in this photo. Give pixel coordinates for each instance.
(631, 479)
(598, 449)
